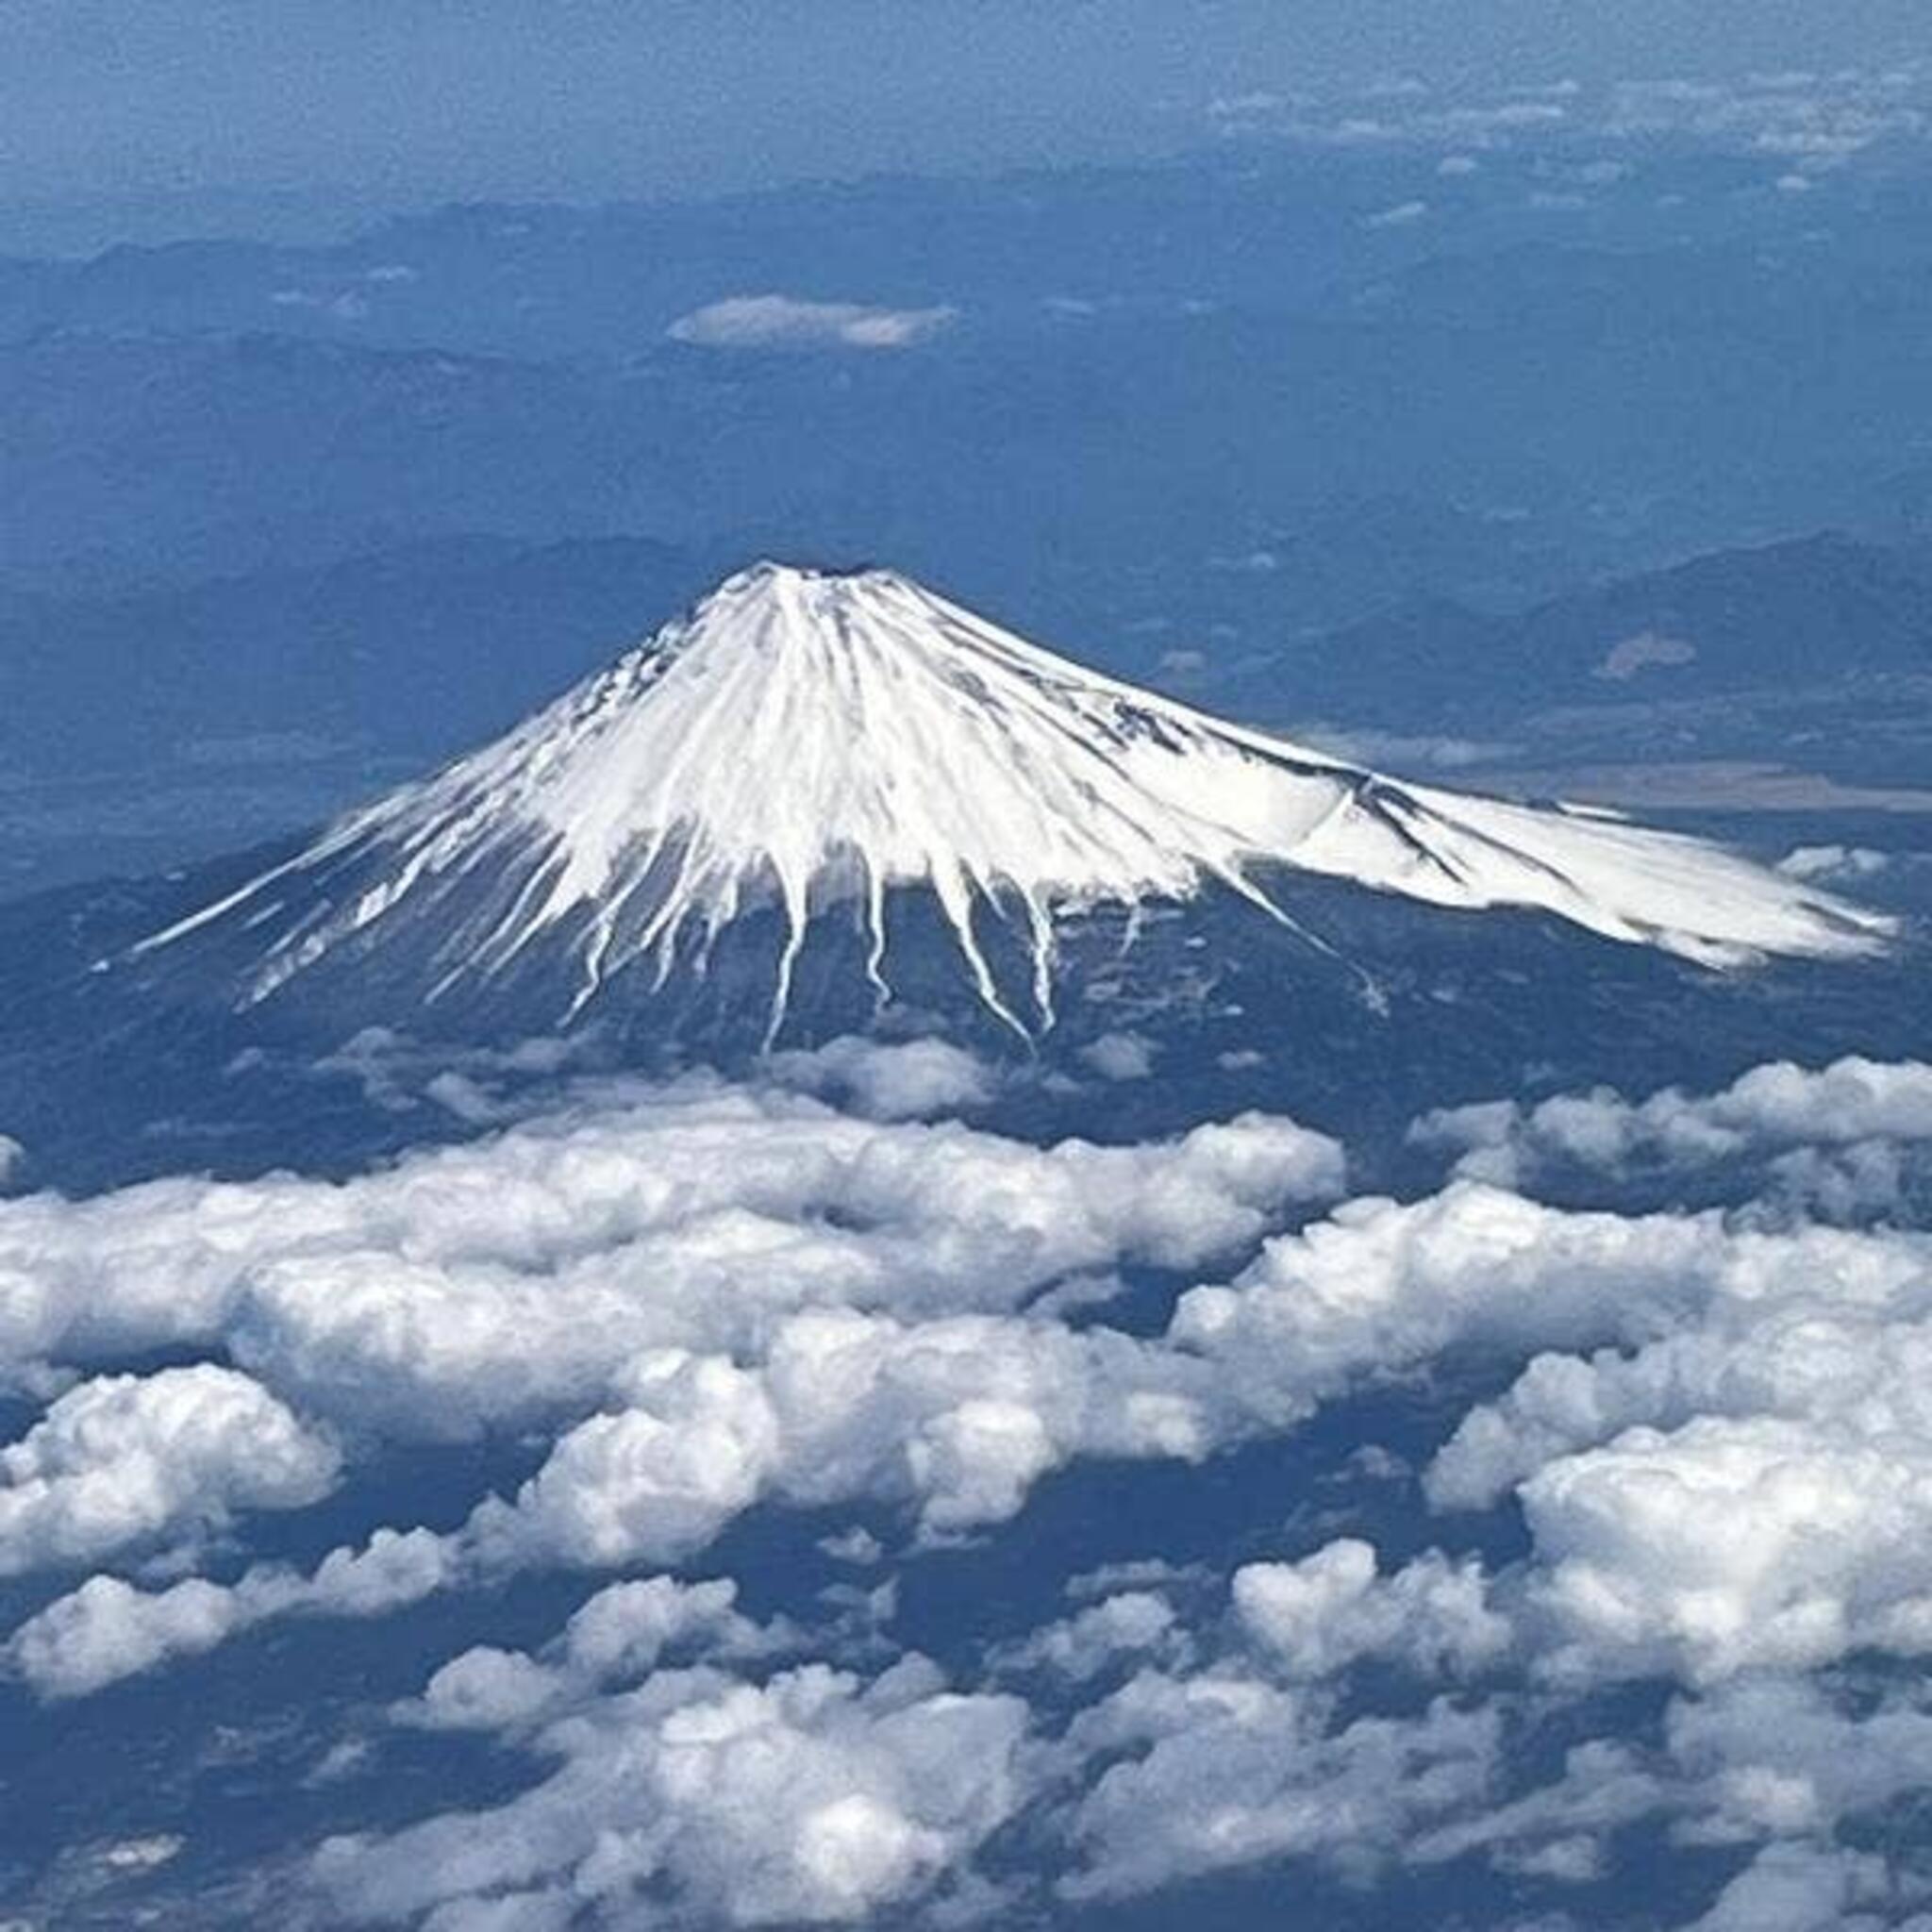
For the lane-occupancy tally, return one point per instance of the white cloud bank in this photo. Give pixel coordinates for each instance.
(705, 1297)
(514, 1278)
(1800, 125)
(1773, 1109)
(776, 1360)
(1712, 1422)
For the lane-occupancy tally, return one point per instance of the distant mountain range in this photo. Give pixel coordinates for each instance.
(1178, 368)
(1810, 612)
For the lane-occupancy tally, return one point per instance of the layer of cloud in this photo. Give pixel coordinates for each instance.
(1705, 1429)
(1750, 1444)
(514, 1277)
(707, 1297)
(1773, 1109)
(1802, 124)
(954, 1417)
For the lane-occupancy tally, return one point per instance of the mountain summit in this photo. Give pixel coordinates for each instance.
(804, 743)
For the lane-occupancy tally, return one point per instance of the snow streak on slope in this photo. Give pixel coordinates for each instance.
(807, 737)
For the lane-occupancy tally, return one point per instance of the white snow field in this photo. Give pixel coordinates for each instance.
(805, 736)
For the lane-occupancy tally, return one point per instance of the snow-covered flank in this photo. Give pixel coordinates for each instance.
(805, 736)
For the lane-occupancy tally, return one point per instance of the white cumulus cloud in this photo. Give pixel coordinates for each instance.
(108, 1629)
(815, 1797)
(127, 1458)
(1774, 1107)
(1316, 1617)
(889, 1080)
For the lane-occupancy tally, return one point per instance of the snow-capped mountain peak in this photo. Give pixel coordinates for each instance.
(803, 737)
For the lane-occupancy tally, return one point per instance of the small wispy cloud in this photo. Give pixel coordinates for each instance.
(786, 322)
(1815, 122)
(1398, 751)
(1807, 123)
(1628, 656)
(1835, 864)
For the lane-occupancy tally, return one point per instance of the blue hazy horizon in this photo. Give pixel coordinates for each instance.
(217, 107)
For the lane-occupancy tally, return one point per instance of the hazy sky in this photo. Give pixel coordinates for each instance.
(412, 99)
